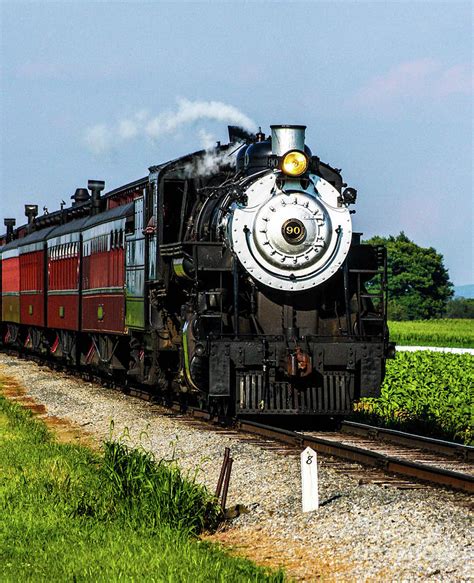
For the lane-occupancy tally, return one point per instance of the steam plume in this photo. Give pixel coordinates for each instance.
(210, 162)
(102, 137)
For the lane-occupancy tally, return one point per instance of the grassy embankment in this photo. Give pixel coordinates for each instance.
(71, 514)
(427, 393)
(450, 333)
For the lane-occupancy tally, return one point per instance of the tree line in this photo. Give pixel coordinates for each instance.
(418, 282)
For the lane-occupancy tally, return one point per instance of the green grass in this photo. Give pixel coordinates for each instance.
(69, 514)
(455, 333)
(426, 393)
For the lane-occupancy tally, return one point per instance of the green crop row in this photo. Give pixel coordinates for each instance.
(427, 393)
(447, 332)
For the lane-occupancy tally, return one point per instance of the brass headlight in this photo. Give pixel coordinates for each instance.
(294, 163)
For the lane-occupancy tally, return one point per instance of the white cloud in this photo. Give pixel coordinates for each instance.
(421, 78)
(457, 79)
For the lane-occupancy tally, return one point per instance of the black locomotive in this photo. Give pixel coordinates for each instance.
(231, 276)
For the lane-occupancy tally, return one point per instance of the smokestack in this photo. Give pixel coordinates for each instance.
(31, 211)
(286, 138)
(9, 224)
(96, 187)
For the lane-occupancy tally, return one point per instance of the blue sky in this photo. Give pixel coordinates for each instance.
(104, 90)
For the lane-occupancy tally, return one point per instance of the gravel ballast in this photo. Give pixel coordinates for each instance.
(362, 531)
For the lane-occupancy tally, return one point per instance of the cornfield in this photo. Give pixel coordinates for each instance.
(426, 393)
(451, 333)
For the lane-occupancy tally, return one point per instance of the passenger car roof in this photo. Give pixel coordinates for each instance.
(115, 213)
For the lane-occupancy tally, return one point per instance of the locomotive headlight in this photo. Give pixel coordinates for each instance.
(294, 163)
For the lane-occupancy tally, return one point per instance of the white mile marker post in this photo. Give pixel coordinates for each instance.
(309, 480)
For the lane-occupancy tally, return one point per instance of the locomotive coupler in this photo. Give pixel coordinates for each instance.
(299, 363)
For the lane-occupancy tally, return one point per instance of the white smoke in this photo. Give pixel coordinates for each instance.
(207, 139)
(211, 162)
(189, 112)
(98, 139)
(102, 137)
(130, 128)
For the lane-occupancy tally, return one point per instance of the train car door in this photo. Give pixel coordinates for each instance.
(135, 269)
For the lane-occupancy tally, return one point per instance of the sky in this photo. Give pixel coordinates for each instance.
(104, 90)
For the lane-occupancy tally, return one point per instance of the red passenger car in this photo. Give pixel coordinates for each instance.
(32, 284)
(103, 271)
(23, 286)
(11, 283)
(64, 255)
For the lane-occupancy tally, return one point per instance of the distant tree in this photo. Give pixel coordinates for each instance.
(460, 308)
(418, 283)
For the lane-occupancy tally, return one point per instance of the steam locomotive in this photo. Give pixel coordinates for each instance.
(229, 276)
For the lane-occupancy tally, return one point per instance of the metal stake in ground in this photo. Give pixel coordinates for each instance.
(309, 480)
(230, 461)
(224, 478)
(223, 472)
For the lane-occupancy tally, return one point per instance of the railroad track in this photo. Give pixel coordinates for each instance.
(390, 458)
(392, 452)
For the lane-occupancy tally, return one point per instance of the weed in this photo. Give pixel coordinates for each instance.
(71, 514)
(155, 493)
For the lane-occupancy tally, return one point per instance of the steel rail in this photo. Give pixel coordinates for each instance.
(391, 464)
(448, 448)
